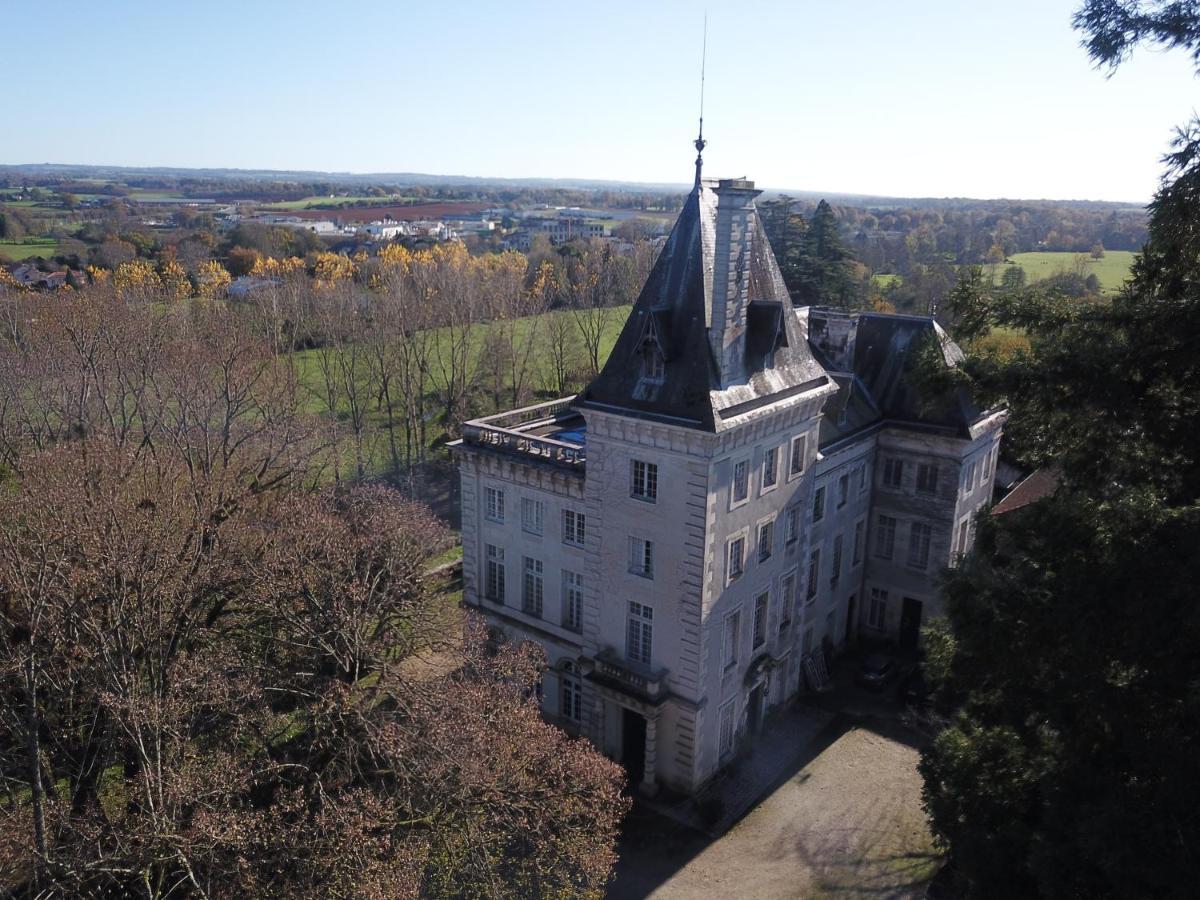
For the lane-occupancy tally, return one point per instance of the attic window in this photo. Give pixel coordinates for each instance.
(654, 368)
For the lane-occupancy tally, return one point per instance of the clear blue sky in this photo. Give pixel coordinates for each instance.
(916, 98)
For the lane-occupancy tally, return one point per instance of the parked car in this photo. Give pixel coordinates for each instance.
(913, 689)
(876, 671)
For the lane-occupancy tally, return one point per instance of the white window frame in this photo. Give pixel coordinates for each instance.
(739, 484)
(843, 488)
(877, 609)
(767, 528)
(734, 572)
(758, 625)
(812, 586)
(898, 463)
(727, 739)
(802, 441)
(533, 587)
(788, 584)
(860, 540)
(574, 528)
(533, 515)
(920, 539)
(493, 573)
(493, 504)
(641, 557)
(731, 639)
(639, 632)
(643, 481)
(791, 526)
(570, 697)
(572, 600)
(818, 507)
(836, 560)
(927, 479)
(770, 455)
(888, 530)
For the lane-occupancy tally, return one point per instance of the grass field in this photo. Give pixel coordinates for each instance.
(539, 379)
(883, 280)
(1112, 270)
(14, 251)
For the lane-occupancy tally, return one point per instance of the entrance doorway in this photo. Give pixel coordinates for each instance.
(910, 623)
(850, 618)
(754, 709)
(633, 746)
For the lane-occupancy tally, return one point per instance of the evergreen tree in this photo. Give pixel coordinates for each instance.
(1070, 660)
(822, 274)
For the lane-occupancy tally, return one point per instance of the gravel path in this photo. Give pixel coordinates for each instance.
(847, 824)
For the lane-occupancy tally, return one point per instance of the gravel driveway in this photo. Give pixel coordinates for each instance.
(847, 823)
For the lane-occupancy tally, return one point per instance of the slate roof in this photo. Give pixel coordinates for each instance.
(674, 311)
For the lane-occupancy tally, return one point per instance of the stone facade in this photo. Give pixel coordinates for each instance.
(685, 567)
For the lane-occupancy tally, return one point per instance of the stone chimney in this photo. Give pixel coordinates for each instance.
(736, 221)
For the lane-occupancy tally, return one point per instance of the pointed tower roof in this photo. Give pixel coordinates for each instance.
(716, 310)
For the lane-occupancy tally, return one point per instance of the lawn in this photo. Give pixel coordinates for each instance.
(884, 280)
(15, 251)
(1112, 269)
(539, 379)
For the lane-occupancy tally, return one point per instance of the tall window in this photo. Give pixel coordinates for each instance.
(532, 588)
(787, 599)
(741, 480)
(806, 642)
(843, 490)
(727, 729)
(737, 555)
(574, 527)
(494, 506)
(927, 477)
(766, 540)
(494, 580)
(818, 510)
(643, 480)
(641, 557)
(532, 512)
(859, 528)
(572, 601)
(770, 466)
(641, 632)
(761, 604)
(837, 560)
(862, 478)
(968, 478)
(732, 637)
(798, 458)
(964, 535)
(653, 365)
(893, 472)
(918, 545)
(814, 570)
(791, 526)
(572, 693)
(877, 611)
(885, 537)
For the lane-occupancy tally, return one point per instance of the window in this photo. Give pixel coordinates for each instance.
(766, 540)
(727, 730)
(494, 509)
(806, 642)
(983, 467)
(731, 638)
(843, 490)
(494, 582)
(531, 587)
(927, 475)
(862, 478)
(641, 632)
(964, 536)
(761, 604)
(818, 510)
(641, 557)
(653, 365)
(736, 557)
(787, 599)
(791, 526)
(837, 560)
(572, 601)
(877, 611)
(531, 515)
(741, 480)
(859, 528)
(769, 468)
(572, 694)
(814, 570)
(893, 472)
(643, 480)
(885, 537)
(574, 527)
(968, 479)
(799, 456)
(918, 545)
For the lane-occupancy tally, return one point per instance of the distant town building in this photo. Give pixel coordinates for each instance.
(745, 488)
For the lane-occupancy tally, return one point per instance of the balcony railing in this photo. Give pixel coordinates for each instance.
(634, 677)
(511, 431)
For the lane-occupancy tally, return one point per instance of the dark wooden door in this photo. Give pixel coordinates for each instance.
(633, 746)
(910, 623)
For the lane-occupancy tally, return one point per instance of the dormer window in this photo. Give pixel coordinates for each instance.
(654, 368)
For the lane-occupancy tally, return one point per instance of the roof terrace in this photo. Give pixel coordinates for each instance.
(549, 432)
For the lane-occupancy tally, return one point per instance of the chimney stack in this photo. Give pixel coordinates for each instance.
(736, 222)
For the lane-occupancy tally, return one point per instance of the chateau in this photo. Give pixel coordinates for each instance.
(743, 483)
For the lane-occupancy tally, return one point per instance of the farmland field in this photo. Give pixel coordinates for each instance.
(308, 202)
(1112, 270)
(15, 251)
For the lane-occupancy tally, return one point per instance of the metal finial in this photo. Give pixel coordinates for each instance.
(700, 143)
